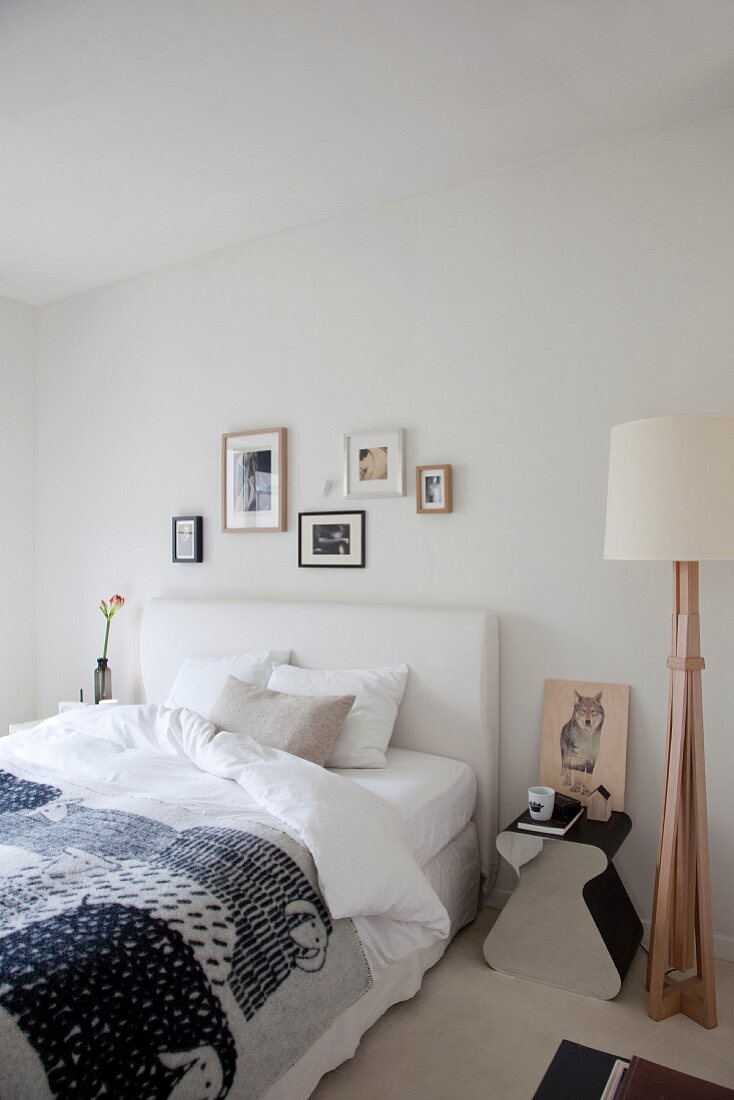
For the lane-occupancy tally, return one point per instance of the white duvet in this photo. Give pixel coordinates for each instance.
(358, 843)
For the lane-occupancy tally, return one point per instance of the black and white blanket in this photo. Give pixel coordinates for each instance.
(148, 956)
(176, 907)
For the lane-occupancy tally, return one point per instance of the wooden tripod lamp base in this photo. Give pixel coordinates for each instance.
(671, 498)
(681, 935)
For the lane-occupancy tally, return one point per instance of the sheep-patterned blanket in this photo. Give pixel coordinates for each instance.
(145, 952)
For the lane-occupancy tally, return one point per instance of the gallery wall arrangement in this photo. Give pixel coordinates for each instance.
(254, 495)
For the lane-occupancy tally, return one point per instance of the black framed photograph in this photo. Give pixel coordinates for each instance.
(254, 469)
(328, 539)
(187, 542)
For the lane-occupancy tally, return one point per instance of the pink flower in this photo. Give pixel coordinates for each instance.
(108, 610)
(116, 602)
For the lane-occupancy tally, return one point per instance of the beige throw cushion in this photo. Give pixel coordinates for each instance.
(298, 724)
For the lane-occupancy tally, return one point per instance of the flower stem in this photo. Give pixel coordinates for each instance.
(106, 640)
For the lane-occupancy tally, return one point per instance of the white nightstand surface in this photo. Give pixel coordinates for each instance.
(68, 708)
(16, 727)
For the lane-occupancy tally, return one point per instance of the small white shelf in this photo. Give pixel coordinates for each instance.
(16, 727)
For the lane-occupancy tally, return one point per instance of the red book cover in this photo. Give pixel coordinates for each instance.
(648, 1081)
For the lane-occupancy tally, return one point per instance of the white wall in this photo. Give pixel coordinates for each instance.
(507, 322)
(17, 443)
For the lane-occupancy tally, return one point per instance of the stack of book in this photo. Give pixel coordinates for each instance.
(582, 1073)
(566, 813)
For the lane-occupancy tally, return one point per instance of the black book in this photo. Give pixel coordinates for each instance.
(576, 1073)
(566, 807)
(555, 826)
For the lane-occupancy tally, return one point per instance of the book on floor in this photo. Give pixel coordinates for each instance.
(615, 1077)
(580, 1073)
(554, 826)
(644, 1080)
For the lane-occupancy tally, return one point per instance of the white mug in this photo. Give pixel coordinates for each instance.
(541, 801)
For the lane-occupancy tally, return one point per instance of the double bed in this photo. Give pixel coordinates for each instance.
(393, 854)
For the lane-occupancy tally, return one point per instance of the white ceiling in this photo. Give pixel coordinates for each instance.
(134, 133)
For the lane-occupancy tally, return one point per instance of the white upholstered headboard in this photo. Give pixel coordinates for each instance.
(451, 701)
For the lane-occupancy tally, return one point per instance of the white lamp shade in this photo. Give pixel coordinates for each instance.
(671, 489)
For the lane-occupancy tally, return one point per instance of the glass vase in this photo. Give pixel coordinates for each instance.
(102, 680)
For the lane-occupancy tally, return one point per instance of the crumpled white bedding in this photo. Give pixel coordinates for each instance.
(363, 857)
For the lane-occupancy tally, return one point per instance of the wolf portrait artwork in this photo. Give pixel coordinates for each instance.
(580, 739)
(585, 738)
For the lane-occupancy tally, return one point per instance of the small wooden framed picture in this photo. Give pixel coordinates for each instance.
(186, 538)
(433, 489)
(254, 480)
(374, 463)
(331, 539)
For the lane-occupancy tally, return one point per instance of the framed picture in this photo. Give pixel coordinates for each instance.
(585, 738)
(374, 463)
(331, 539)
(254, 480)
(186, 536)
(433, 489)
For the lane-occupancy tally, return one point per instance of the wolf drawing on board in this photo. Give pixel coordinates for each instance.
(580, 741)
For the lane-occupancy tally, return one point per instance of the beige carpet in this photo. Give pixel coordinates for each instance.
(472, 1033)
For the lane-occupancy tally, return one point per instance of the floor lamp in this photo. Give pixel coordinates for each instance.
(671, 497)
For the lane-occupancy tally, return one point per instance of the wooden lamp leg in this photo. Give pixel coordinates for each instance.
(682, 933)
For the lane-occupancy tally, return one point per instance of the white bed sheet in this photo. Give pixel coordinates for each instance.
(434, 796)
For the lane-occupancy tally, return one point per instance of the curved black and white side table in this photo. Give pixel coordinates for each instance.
(569, 922)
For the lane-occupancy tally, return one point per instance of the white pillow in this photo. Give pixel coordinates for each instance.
(368, 727)
(200, 680)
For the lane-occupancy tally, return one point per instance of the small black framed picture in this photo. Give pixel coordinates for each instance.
(327, 539)
(187, 541)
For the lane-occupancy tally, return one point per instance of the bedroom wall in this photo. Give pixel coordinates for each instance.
(17, 445)
(507, 322)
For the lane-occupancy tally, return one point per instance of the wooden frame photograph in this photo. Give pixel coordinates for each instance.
(433, 489)
(584, 743)
(374, 464)
(254, 480)
(331, 540)
(187, 544)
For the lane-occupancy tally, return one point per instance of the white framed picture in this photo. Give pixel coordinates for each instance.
(254, 480)
(374, 463)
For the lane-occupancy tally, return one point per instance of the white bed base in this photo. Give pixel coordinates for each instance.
(451, 701)
(453, 875)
